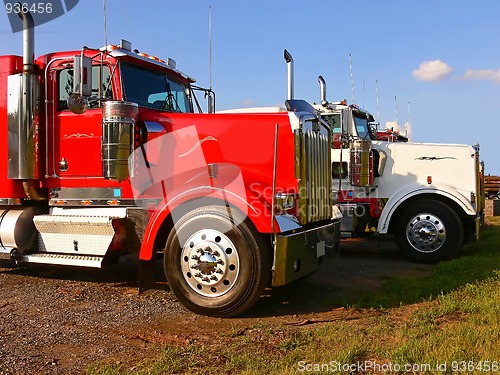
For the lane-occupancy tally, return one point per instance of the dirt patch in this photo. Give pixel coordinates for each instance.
(60, 320)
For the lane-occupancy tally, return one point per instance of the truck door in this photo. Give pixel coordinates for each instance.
(77, 137)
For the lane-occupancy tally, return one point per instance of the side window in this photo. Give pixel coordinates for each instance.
(339, 170)
(334, 122)
(66, 87)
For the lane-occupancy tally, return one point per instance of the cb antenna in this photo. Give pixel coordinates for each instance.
(210, 37)
(352, 79)
(409, 121)
(378, 105)
(105, 33)
(211, 101)
(397, 112)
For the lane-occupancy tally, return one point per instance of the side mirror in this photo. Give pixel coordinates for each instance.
(82, 84)
(82, 76)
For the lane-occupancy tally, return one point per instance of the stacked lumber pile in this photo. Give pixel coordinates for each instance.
(491, 185)
(492, 191)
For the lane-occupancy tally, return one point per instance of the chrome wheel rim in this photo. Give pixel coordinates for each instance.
(426, 233)
(210, 263)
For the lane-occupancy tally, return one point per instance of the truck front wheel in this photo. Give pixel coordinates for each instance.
(429, 231)
(216, 263)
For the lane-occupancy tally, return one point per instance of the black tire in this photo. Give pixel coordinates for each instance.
(429, 231)
(214, 266)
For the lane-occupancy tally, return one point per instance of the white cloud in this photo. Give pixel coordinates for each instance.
(433, 71)
(437, 70)
(482, 74)
(248, 103)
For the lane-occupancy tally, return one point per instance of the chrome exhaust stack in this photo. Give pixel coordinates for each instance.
(23, 111)
(289, 62)
(322, 87)
(28, 42)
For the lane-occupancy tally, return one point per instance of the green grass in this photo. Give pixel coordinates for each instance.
(477, 262)
(446, 322)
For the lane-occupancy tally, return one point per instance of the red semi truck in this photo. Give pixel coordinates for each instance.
(107, 152)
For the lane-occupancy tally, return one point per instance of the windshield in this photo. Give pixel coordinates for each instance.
(362, 121)
(362, 127)
(154, 89)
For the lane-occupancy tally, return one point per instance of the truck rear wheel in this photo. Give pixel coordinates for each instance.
(213, 266)
(429, 231)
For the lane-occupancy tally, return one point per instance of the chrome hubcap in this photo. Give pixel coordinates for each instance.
(426, 233)
(210, 263)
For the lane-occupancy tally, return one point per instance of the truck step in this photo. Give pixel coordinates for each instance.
(64, 259)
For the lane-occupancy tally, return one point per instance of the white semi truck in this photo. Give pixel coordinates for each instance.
(428, 196)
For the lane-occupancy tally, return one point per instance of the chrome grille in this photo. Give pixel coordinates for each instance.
(315, 186)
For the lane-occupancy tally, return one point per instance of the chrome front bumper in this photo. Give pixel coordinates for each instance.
(299, 253)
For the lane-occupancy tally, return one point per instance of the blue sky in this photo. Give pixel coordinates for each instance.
(439, 59)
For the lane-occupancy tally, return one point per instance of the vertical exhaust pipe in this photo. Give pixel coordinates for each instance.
(28, 42)
(322, 87)
(289, 62)
(23, 154)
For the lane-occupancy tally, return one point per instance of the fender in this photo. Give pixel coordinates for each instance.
(409, 191)
(166, 209)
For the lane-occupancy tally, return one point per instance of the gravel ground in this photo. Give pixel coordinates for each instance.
(58, 320)
(61, 320)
